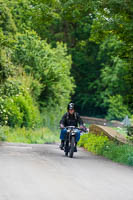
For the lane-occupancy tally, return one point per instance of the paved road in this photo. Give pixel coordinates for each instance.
(42, 172)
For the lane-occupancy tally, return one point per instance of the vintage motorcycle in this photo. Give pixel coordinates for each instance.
(70, 141)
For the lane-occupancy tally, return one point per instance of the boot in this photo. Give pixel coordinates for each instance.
(62, 145)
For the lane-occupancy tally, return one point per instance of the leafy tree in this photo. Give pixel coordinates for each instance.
(37, 37)
(7, 31)
(49, 66)
(117, 109)
(70, 22)
(7, 24)
(113, 19)
(114, 71)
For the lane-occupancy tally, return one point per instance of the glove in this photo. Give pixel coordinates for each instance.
(81, 127)
(84, 129)
(61, 126)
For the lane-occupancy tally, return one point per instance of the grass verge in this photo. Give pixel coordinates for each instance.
(31, 136)
(120, 130)
(101, 145)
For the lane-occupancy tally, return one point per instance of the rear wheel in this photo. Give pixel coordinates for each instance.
(72, 147)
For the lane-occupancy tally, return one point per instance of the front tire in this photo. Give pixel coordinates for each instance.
(66, 149)
(66, 153)
(72, 147)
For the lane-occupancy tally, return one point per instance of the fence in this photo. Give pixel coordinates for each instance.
(100, 121)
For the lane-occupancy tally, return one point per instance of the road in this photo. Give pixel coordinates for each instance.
(42, 172)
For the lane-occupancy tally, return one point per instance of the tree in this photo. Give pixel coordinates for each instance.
(113, 21)
(49, 66)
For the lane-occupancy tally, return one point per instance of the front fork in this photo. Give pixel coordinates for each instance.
(67, 142)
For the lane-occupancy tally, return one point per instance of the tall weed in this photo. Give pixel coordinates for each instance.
(31, 136)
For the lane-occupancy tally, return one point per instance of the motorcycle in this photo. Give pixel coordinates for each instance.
(70, 141)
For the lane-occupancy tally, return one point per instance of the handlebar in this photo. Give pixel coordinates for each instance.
(74, 127)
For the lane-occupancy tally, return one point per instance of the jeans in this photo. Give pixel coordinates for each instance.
(64, 131)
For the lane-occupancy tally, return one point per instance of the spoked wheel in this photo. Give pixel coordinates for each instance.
(72, 147)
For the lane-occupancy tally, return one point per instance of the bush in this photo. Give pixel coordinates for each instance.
(119, 153)
(29, 111)
(19, 111)
(2, 134)
(17, 106)
(101, 145)
(93, 143)
(31, 136)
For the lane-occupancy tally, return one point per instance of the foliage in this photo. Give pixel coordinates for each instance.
(114, 68)
(2, 134)
(70, 22)
(113, 22)
(120, 153)
(6, 21)
(43, 39)
(17, 107)
(117, 109)
(18, 111)
(6, 66)
(98, 72)
(47, 81)
(101, 145)
(31, 136)
(10, 88)
(130, 132)
(96, 143)
(121, 130)
(49, 66)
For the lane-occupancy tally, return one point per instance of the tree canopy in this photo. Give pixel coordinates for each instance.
(60, 50)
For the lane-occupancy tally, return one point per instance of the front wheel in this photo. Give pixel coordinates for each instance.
(72, 144)
(66, 148)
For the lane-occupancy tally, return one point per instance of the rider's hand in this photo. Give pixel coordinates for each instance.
(81, 127)
(61, 126)
(84, 129)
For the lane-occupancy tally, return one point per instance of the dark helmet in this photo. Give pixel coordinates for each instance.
(71, 106)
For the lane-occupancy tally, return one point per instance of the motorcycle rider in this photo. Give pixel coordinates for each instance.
(71, 118)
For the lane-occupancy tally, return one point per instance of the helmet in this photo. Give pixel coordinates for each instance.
(70, 106)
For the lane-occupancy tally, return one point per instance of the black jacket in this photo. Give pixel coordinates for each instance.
(71, 120)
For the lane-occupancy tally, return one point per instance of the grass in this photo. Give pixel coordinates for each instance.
(120, 130)
(101, 145)
(31, 136)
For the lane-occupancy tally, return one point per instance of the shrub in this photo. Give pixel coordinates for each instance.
(2, 134)
(94, 143)
(101, 145)
(28, 110)
(19, 111)
(32, 136)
